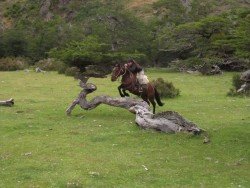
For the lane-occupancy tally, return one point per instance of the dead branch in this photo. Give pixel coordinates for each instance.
(9, 102)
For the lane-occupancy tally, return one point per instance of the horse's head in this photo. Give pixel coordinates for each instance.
(118, 70)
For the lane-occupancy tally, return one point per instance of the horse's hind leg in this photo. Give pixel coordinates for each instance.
(153, 104)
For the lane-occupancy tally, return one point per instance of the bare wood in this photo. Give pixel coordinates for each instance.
(9, 102)
(126, 103)
(168, 121)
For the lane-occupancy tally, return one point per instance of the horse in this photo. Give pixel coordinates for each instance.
(129, 82)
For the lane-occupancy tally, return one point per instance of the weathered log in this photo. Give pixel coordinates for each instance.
(168, 121)
(9, 102)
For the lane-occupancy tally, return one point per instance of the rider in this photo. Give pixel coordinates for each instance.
(135, 68)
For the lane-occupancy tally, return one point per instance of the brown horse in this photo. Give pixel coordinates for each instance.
(129, 82)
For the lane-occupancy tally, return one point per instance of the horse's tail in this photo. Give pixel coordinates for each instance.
(157, 97)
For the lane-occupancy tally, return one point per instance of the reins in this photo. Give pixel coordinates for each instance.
(118, 74)
(125, 71)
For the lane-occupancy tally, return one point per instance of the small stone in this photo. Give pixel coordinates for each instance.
(208, 158)
(94, 173)
(27, 154)
(145, 167)
(206, 140)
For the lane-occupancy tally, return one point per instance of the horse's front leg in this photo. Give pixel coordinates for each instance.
(125, 93)
(120, 92)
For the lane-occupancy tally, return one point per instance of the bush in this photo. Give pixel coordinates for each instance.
(12, 64)
(72, 71)
(50, 64)
(184, 65)
(194, 63)
(237, 82)
(62, 69)
(166, 89)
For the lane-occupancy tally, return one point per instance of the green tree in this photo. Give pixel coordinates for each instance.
(90, 51)
(14, 43)
(236, 42)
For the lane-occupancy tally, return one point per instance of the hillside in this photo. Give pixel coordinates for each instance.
(153, 31)
(66, 9)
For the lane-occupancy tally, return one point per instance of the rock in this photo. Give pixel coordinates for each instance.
(38, 69)
(45, 10)
(245, 76)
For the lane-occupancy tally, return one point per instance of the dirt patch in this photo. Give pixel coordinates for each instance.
(134, 4)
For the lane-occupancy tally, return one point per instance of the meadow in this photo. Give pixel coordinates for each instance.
(42, 147)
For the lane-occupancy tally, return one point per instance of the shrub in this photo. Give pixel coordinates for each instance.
(184, 65)
(166, 89)
(237, 82)
(72, 71)
(12, 64)
(62, 69)
(50, 64)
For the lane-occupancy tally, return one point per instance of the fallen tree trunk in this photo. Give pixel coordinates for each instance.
(9, 102)
(168, 121)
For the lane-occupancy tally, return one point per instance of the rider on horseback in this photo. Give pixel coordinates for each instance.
(135, 68)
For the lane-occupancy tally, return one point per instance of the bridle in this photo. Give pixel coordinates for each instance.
(118, 74)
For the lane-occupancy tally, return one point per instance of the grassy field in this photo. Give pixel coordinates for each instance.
(41, 147)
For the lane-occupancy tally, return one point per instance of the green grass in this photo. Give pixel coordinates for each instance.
(41, 147)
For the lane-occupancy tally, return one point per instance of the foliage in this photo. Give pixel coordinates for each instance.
(166, 89)
(177, 30)
(215, 36)
(14, 43)
(12, 64)
(50, 64)
(14, 11)
(195, 63)
(237, 82)
(236, 40)
(62, 69)
(171, 11)
(72, 71)
(90, 51)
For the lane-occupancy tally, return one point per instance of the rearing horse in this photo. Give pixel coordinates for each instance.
(129, 82)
